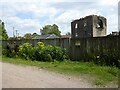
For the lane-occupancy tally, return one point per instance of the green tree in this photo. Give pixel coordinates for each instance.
(28, 36)
(50, 29)
(34, 35)
(3, 32)
(68, 33)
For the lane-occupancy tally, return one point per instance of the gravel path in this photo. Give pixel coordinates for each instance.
(17, 76)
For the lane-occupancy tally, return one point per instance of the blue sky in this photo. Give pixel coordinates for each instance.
(28, 16)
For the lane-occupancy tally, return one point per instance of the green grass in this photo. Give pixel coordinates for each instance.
(99, 75)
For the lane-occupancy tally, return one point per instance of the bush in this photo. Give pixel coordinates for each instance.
(4, 51)
(107, 57)
(40, 52)
(57, 53)
(25, 50)
(9, 52)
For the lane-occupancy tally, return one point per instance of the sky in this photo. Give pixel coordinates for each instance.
(29, 16)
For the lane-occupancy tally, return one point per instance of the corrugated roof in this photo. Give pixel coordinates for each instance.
(46, 36)
(66, 36)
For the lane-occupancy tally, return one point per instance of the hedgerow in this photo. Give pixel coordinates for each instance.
(41, 52)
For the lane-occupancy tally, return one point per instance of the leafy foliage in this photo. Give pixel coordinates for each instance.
(68, 33)
(30, 36)
(24, 50)
(107, 57)
(40, 52)
(3, 32)
(50, 29)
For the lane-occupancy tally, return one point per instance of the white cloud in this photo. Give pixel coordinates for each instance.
(31, 15)
(109, 3)
(22, 25)
(112, 23)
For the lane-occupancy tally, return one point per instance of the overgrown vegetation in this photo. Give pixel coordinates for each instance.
(98, 75)
(40, 52)
(53, 55)
(109, 57)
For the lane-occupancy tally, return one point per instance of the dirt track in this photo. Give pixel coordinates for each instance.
(16, 76)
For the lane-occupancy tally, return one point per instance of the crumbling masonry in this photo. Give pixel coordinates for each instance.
(89, 26)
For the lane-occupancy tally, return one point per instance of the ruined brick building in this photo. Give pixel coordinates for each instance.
(89, 26)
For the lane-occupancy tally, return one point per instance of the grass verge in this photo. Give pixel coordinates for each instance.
(100, 75)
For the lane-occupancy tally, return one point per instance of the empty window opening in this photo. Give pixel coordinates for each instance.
(76, 25)
(85, 24)
(76, 35)
(100, 23)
